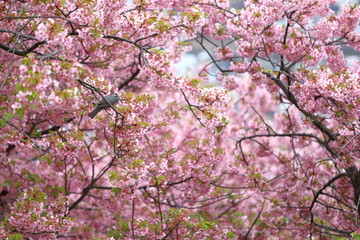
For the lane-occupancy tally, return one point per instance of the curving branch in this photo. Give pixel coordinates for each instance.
(191, 108)
(290, 96)
(22, 53)
(316, 196)
(131, 78)
(354, 176)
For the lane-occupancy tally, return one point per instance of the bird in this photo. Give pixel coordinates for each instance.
(102, 104)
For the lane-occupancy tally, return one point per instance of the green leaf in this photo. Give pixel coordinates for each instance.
(159, 179)
(116, 190)
(35, 178)
(219, 151)
(189, 224)
(115, 234)
(45, 159)
(113, 175)
(146, 124)
(97, 20)
(230, 234)
(355, 235)
(143, 224)
(16, 236)
(195, 82)
(221, 30)
(3, 123)
(96, 33)
(219, 129)
(34, 107)
(60, 145)
(206, 224)
(124, 226)
(20, 112)
(7, 117)
(19, 88)
(35, 95)
(152, 19)
(138, 162)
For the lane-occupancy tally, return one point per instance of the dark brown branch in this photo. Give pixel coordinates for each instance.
(87, 189)
(132, 218)
(126, 82)
(253, 224)
(211, 57)
(321, 142)
(317, 194)
(146, 186)
(135, 43)
(21, 53)
(19, 34)
(34, 17)
(290, 96)
(190, 107)
(354, 176)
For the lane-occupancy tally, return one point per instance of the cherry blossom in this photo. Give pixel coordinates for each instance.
(261, 143)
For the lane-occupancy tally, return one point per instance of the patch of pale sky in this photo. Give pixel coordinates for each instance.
(189, 63)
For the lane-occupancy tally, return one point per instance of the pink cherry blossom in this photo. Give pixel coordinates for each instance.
(260, 142)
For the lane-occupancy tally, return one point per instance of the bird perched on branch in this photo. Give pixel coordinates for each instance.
(104, 104)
